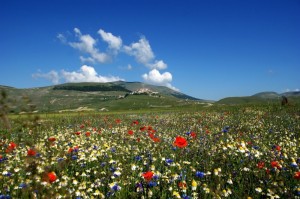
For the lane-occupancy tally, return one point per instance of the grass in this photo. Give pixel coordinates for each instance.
(232, 151)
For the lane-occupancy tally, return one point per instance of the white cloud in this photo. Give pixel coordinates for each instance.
(129, 67)
(292, 90)
(53, 76)
(87, 45)
(160, 65)
(86, 59)
(141, 50)
(87, 74)
(155, 77)
(62, 38)
(114, 43)
(77, 31)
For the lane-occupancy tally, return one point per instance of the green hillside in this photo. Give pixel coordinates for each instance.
(262, 98)
(112, 96)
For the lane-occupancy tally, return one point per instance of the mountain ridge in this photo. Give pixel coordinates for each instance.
(122, 95)
(99, 96)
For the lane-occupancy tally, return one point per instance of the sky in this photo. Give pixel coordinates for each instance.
(209, 49)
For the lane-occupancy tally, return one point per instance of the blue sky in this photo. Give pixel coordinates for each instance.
(207, 49)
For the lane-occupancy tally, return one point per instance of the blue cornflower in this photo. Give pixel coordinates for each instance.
(3, 159)
(8, 174)
(169, 161)
(112, 169)
(83, 165)
(22, 185)
(186, 197)
(200, 174)
(116, 187)
(152, 184)
(60, 159)
(294, 164)
(74, 157)
(225, 129)
(138, 158)
(2, 196)
(113, 149)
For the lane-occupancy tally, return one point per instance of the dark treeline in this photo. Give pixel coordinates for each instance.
(91, 88)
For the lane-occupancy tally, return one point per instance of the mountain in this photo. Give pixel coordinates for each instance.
(262, 97)
(112, 96)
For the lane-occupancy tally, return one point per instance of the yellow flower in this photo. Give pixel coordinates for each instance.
(194, 185)
(176, 194)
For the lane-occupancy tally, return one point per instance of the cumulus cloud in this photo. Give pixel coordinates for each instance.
(160, 65)
(62, 38)
(114, 42)
(87, 74)
(84, 74)
(141, 50)
(157, 78)
(87, 59)
(52, 76)
(87, 44)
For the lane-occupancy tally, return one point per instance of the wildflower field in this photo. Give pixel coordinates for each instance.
(234, 152)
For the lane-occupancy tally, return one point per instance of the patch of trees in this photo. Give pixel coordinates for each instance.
(91, 88)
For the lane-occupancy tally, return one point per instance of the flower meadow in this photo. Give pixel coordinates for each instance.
(245, 152)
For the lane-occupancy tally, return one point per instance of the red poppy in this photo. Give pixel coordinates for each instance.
(180, 142)
(156, 139)
(130, 132)
(275, 164)
(278, 148)
(81, 126)
(87, 134)
(77, 133)
(31, 152)
(51, 139)
(193, 135)
(70, 150)
(151, 135)
(148, 175)
(1, 157)
(260, 165)
(182, 184)
(118, 121)
(52, 177)
(143, 128)
(297, 175)
(135, 122)
(11, 147)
